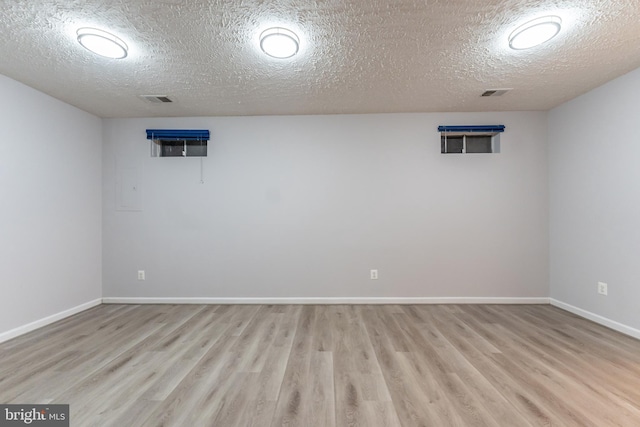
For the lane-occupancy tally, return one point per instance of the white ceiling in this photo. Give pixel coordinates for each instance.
(356, 56)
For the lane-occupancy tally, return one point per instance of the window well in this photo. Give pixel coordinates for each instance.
(178, 142)
(470, 139)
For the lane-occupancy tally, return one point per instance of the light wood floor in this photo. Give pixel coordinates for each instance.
(434, 365)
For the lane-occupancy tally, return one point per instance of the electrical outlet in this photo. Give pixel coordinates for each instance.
(374, 274)
(602, 288)
(141, 275)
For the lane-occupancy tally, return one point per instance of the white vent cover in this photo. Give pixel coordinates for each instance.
(156, 99)
(495, 92)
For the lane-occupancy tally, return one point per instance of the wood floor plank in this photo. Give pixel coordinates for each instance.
(121, 337)
(460, 361)
(328, 366)
(529, 410)
(560, 380)
(296, 393)
(433, 364)
(418, 399)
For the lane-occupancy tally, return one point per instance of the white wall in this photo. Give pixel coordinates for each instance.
(594, 162)
(50, 206)
(305, 206)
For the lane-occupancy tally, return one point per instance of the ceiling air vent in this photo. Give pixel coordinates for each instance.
(156, 99)
(495, 92)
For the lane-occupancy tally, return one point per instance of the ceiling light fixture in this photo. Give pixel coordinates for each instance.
(102, 43)
(279, 42)
(535, 32)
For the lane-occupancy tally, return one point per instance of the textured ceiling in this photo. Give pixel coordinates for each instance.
(355, 56)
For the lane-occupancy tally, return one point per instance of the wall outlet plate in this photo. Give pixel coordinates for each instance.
(374, 274)
(603, 288)
(141, 275)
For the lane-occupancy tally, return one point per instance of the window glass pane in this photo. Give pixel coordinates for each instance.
(171, 148)
(478, 144)
(196, 148)
(176, 148)
(453, 143)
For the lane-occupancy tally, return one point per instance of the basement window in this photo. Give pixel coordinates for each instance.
(183, 148)
(470, 139)
(178, 142)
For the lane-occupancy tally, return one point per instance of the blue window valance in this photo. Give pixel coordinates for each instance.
(472, 128)
(178, 134)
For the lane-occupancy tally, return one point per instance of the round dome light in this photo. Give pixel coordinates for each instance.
(535, 32)
(102, 43)
(279, 42)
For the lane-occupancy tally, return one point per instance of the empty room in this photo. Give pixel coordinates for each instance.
(319, 213)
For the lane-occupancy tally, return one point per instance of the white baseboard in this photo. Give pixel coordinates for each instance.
(328, 300)
(21, 330)
(616, 326)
